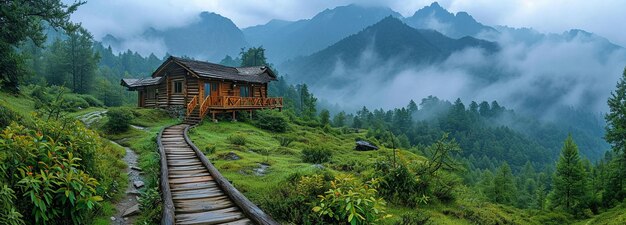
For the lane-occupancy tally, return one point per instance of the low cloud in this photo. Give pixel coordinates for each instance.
(539, 77)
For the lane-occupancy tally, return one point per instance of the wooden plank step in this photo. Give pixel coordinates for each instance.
(244, 221)
(178, 172)
(203, 191)
(183, 163)
(194, 207)
(197, 196)
(186, 168)
(191, 180)
(175, 157)
(174, 176)
(192, 186)
(208, 218)
(192, 160)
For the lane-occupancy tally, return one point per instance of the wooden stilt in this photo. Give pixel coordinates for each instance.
(234, 117)
(250, 114)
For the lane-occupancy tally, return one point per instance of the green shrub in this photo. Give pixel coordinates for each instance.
(72, 103)
(414, 218)
(237, 139)
(285, 141)
(119, 120)
(271, 120)
(150, 205)
(351, 201)
(209, 149)
(92, 101)
(7, 116)
(57, 175)
(316, 154)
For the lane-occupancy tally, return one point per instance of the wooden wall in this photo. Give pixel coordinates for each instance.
(163, 96)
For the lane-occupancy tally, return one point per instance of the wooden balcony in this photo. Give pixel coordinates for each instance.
(236, 103)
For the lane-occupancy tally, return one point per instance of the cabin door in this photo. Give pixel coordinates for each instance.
(210, 89)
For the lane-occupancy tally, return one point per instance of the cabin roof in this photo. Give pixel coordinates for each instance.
(254, 74)
(141, 82)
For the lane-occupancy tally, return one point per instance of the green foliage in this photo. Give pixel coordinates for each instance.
(271, 120)
(285, 140)
(348, 201)
(324, 117)
(316, 154)
(92, 101)
(150, 204)
(237, 139)
(398, 184)
(503, 188)
(23, 20)
(615, 133)
(209, 149)
(569, 179)
(339, 120)
(414, 218)
(8, 213)
(73, 103)
(57, 183)
(253, 57)
(119, 120)
(7, 116)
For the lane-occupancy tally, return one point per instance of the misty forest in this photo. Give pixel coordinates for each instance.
(356, 114)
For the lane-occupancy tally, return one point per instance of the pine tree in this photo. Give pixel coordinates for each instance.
(503, 186)
(339, 120)
(569, 179)
(616, 134)
(22, 20)
(324, 117)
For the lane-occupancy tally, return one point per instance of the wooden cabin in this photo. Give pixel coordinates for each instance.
(203, 88)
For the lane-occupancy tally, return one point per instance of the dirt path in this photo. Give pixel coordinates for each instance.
(126, 205)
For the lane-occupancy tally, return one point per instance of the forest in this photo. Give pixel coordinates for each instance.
(440, 162)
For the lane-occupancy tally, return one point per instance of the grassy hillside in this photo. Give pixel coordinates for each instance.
(265, 166)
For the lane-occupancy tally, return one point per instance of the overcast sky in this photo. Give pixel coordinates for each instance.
(124, 18)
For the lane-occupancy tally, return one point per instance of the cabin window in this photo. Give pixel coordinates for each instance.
(178, 87)
(244, 91)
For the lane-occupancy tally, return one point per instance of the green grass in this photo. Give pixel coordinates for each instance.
(264, 147)
(20, 104)
(613, 216)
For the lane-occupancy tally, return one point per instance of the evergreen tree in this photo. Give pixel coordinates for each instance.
(253, 57)
(339, 120)
(23, 20)
(616, 134)
(569, 179)
(503, 189)
(307, 103)
(82, 60)
(324, 117)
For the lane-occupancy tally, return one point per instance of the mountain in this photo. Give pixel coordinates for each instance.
(389, 40)
(437, 18)
(211, 37)
(284, 40)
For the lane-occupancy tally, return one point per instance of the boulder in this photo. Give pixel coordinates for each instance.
(365, 146)
(138, 184)
(133, 210)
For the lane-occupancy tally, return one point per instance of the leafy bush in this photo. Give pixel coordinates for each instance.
(119, 120)
(397, 184)
(72, 103)
(351, 201)
(45, 166)
(7, 116)
(150, 205)
(316, 154)
(237, 139)
(271, 120)
(92, 101)
(414, 218)
(209, 149)
(285, 141)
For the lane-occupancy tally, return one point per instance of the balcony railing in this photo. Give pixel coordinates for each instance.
(235, 102)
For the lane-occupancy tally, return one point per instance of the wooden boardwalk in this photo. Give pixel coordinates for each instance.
(193, 190)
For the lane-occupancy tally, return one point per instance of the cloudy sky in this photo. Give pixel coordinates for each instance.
(125, 18)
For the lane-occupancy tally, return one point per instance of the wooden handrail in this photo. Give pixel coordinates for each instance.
(252, 211)
(192, 104)
(167, 217)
